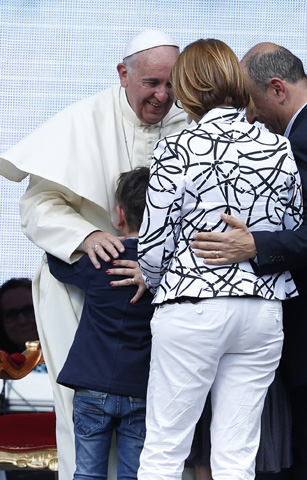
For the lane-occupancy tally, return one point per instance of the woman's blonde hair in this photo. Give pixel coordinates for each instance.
(207, 74)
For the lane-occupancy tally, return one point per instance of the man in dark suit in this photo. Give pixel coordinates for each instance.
(278, 86)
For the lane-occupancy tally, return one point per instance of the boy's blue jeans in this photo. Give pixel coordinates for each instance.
(96, 415)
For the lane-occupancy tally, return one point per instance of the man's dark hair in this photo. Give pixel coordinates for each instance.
(131, 195)
(280, 63)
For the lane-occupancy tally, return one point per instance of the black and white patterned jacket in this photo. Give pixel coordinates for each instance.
(224, 164)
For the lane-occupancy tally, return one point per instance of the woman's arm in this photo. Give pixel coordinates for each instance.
(161, 221)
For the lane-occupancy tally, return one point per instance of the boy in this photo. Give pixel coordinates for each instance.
(108, 362)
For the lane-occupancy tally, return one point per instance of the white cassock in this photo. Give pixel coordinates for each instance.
(74, 160)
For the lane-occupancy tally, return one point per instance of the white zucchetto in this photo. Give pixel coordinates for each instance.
(149, 39)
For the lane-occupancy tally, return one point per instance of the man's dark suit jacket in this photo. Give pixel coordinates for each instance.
(287, 250)
(111, 349)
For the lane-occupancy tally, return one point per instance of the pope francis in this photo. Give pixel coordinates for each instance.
(73, 161)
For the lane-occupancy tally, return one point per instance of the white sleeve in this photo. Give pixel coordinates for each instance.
(161, 222)
(50, 218)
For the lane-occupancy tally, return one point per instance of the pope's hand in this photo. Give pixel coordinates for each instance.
(102, 244)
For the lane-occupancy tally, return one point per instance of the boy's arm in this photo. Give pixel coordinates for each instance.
(67, 273)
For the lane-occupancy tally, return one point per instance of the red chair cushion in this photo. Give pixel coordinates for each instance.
(18, 358)
(27, 431)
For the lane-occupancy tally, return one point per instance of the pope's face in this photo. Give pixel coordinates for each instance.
(147, 84)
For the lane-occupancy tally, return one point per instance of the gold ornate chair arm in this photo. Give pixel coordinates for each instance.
(16, 366)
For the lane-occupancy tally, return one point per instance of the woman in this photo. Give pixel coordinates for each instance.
(17, 319)
(214, 328)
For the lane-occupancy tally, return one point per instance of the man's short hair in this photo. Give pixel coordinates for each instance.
(130, 195)
(130, 62)
(280, 63)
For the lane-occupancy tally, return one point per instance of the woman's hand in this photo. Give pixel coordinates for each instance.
(130, 269)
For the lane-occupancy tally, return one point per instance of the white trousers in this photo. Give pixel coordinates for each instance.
(231, 345)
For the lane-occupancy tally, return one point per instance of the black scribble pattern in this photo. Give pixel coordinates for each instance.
(222, 165)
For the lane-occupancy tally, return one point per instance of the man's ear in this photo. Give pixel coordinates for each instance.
(121, 216)
(279, 89)
(123, 73)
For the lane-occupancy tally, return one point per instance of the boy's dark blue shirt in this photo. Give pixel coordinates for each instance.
(111, 349)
